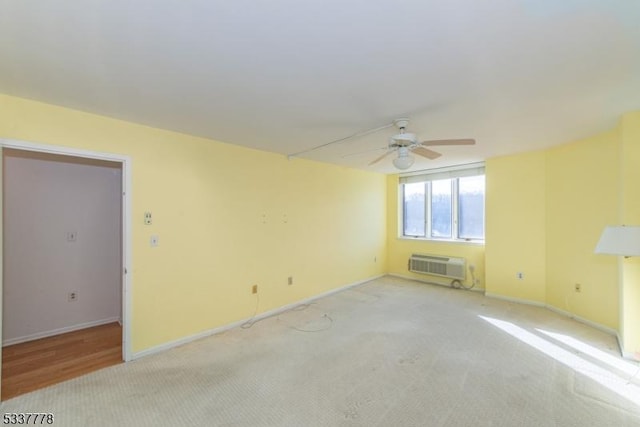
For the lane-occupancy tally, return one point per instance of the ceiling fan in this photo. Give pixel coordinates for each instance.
(406, 143)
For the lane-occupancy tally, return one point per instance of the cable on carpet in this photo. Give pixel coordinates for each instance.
(457, 284)
(249, 323)
(329, 325)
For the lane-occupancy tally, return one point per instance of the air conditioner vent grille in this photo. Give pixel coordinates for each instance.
(437, 265)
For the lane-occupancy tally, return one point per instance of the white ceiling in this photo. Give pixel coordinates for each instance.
(288, 75)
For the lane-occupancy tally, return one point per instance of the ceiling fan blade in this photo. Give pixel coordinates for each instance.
(425, 152)
(442, 142)
(373, 162)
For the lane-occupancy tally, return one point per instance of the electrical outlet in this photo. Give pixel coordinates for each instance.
(73, 296)
(148, 220)
(254, 289)
(290, 280)
(578, 287)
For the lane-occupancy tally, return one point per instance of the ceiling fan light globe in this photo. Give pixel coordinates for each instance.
(403, 162)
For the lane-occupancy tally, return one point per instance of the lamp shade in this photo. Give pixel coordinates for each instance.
(619, 240)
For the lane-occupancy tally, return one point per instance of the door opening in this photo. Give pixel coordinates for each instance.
(65, 249)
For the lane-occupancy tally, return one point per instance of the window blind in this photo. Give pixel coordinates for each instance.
(473, 169)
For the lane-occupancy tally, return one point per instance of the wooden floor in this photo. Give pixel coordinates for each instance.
(40, 363)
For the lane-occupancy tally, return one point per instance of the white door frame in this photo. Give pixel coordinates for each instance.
(126, 223)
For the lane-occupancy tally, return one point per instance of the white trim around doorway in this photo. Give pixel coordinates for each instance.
(126, 220)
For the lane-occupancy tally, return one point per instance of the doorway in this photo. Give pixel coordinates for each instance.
(36, 364)
(65, 250)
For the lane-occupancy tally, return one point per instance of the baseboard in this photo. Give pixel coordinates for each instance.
(516, 300)
(176, 343)
(634, 357)
(58, 331)
(432, 282)
(591, 323)
(557, 310)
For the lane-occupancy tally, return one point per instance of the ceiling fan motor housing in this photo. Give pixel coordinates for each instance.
(401, 123)
(404, 139)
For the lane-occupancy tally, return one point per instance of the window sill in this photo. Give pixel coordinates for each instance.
(455, 242)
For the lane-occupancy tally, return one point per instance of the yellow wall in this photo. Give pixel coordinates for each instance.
(227, 218)
(400, 249)
(545, 213)
(226, 225)
(582, 197)
(630, 215)
(516, 226)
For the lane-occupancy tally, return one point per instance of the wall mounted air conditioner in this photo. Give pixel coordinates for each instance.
(438, 265)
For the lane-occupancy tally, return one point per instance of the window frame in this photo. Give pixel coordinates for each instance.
(454, 175)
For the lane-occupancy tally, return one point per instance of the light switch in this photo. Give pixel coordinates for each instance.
(154, 241)
(147, 218)
(72, 236)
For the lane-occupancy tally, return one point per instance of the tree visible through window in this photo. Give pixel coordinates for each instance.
(450, 209)
(441, 208)
(471, 207)
(414, 213)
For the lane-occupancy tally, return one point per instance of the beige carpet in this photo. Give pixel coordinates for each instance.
(387, 353)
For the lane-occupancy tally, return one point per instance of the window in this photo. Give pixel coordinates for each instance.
(445, 205)
(471, 207)
(414, 212)
(441, 208)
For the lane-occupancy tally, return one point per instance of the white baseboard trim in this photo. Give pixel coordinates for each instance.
(58, 331)
(635, 357)
(591, 323)
(431, 282)
(557, 310)
(516, 300)
(625, 354)
(176, 343)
